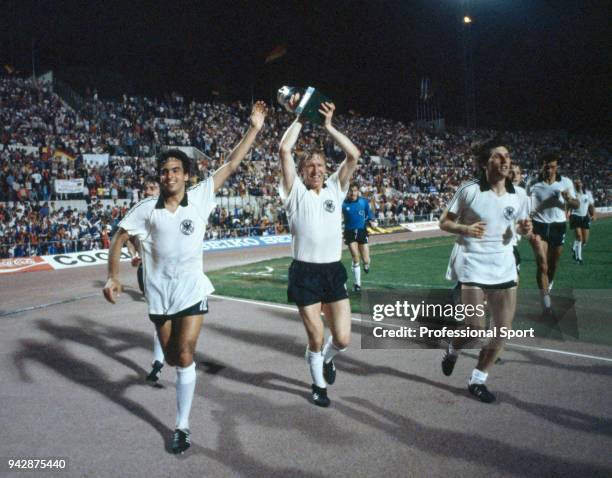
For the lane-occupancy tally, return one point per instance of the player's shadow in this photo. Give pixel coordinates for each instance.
(134, 294)
(88, 333)
(111, 341)
(274, 412)
(567, 418)
(533, 358)
(231, 452)
(265, 380)
(55, 357)
(287, 344)
(571, 419)
(484, 451)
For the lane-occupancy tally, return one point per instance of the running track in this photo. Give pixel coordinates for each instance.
(72, 386)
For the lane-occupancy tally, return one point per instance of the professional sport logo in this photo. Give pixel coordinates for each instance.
(509, 213)
(187, 227)
(329, 205)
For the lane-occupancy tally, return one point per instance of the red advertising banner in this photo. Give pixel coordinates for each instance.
(23, 264)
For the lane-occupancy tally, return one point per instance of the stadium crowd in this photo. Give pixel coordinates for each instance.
(408, 173)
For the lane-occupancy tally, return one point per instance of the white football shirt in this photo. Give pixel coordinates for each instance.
(315, 220)
(172, 250)
(546, 199)
(585, 199)
(489, 259)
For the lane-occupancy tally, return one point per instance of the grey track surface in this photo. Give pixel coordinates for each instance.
(72, 386)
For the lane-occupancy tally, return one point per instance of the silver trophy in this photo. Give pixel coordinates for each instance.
(309, 105)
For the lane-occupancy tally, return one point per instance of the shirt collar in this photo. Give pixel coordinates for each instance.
(161, 201)
(557, 178)
(322, 187)
(485, 186)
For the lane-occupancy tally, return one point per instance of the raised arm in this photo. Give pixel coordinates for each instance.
(112, 288)
(286, 154)
(348, 166)
(258, 115)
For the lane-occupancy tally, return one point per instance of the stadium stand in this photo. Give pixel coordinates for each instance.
(410, 174)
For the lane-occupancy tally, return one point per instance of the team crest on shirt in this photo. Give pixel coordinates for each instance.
(329, 205)
(187, 227)
(509, 213)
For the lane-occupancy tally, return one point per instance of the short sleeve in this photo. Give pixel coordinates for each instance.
(202, 196)
(135, 221)
(460, 200)
(290, 199)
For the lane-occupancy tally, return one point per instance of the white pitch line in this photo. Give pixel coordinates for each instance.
(356, 319)
(562, 352)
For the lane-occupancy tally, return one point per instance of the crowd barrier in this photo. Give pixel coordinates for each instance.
(96, 257)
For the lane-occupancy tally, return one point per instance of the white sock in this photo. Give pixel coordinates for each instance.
(579, 250)
(315, 362)
(366, 265)
(478, 377)
(450, 350)
(550, 284)
(185, 388)
(574, 246)
(546, 301)
(357, 273)
(158, 352)
(330, 350)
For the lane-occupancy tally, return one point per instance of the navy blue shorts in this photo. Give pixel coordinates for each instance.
(553, 232)
(360, 236)
(503, 285)
(517, 258)
(197, 309)
(311, 283)
(582, 222)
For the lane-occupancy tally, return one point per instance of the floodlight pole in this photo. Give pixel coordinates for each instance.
(468, 66)
(33, 62)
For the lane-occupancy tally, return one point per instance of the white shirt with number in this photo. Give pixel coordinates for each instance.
(315, 220)
(172, 249)
(585, 199)
(547, 200)
(489, 259)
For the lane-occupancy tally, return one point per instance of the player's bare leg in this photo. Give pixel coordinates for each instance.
(179, 350)
(554, 254)
(585, 238)
(469, 295)
(338, 318)
(315, 330)
(502, 306)
(540, 250)
(364, 251)
(356, 265)
(579, 243)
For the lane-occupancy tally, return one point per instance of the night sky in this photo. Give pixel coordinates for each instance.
(537, 64)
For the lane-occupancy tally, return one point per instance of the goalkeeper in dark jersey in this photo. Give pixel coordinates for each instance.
(357, 215)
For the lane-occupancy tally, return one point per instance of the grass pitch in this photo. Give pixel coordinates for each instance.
(422, 264)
